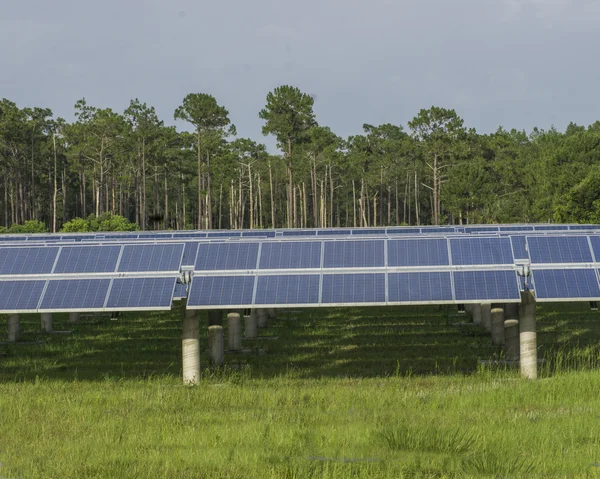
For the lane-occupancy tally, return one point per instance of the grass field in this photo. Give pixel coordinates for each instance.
(379, 392)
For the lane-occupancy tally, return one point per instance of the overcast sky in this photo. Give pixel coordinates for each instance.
(516, 63)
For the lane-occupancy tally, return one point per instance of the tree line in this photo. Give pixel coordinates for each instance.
(434, 170)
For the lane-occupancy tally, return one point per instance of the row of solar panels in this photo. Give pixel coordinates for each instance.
(273, 233)
(347, 289)
(62, 260)
(92, 294)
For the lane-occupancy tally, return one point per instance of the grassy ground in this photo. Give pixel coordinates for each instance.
(341, 393)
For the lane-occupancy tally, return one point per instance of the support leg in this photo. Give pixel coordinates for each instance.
(14, 328)
(476, 313)
(251, 325)
(527, 336)
(216, 347)
(47, 322)
(191, 348)
(74, 318)
(497, 315)
(262, 316)
(234, 332)
(486, 316)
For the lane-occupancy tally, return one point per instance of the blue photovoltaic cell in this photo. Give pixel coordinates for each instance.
(180, 291)
(418, 252)
(559, 249)
(353, 288)
(87, 259)
(189, 254)
(151, 257)
(32, 260)
(446, 229)
(423, 286)
(258, 234)
(291, 255)
(221, 290)
(486, 285)
(566, 283)
(516, 228)
(332, 232)
(191, 234)
(584, 227)
(141, 293)
(287, 289)
(367, 231)
(12, 238)
(473, 251)
(353, 254)
(396, 231)
(20, 295)
(595, 240)
(481, 229)
(519, 244)
(226, 234)
(226, 256)
(299, 233)
(78, 294)
(550, 227)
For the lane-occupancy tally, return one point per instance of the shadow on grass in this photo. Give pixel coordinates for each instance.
(311, 343)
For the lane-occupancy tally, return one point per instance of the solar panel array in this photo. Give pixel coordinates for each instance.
(340, 266)
(88, 278)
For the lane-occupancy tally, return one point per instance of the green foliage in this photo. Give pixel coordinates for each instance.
(29, 227)
(104, 222)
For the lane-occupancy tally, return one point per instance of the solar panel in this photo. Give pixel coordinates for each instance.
(291, 255)
(368, 231)
(559, 249)
(287, 289)
(223, 234)
(353, 288)
(75, 294)
(475, 251)
(418, 252)
(32, 260)
(258, 234)
(141, 293)
(221, 290)
(564, 284)
(333, 232)
(519, 244)
(595, 242)
(354, 254)
(226, 256)
(584, 227)
(516, 228)
(493, 285)
(189, 253)
(87, 259)
(419, 287)
(299, 233)
(550, 227)
(481, 229)
(151, 257)
(409, 230)
(20, 296)
(189, 234)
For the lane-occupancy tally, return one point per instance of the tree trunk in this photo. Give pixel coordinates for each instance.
(354, 203)
(55, 192)
(272, 195)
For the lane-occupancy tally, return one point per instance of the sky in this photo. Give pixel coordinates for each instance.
(511, 63)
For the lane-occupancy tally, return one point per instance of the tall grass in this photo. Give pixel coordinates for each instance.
(385, 393)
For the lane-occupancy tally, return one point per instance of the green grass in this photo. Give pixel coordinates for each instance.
(379, 392)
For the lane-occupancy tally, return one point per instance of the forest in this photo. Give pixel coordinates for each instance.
(434, 170)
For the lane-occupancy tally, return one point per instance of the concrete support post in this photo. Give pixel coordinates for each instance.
(527, 336)
(14, 328)
(511, 339)
(497, 326)
(47, 322)
(262, 315)
(234, 332)
(74, 318)
(251, 325)
(476, 313)
(486, 316)
(190, 347)
(215, 317)
(216, 345)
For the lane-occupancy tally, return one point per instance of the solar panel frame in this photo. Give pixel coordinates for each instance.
(72, 295)
(354, 290)
(27, 261)
(478, 251)
(79, 259)
(141, 294)
(226, 256)
(420, 287)
(485, 286)
(141, 258)
(577, 280)
(287, 290)
(20, 296)
(418, 253)
(224, 288)
(348, 254)
(566, 249)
